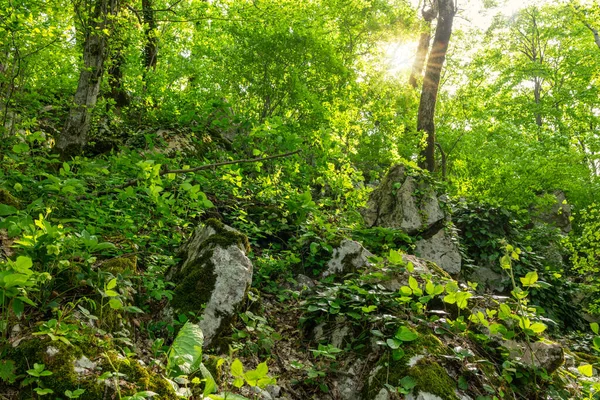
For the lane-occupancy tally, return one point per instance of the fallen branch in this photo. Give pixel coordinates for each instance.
(200, 168)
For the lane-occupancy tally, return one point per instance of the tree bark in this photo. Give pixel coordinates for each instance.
(75, 132)
(431, 82)
(595, 33)
(150, 48)
(429, 15)
(115, 80)
(417, 68)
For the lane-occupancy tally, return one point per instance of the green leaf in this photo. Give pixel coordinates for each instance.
(20, 148)
(210, 385)
(406, 291)
(237, 368)
(7, 210)
(18, 307)
(538, 327)
(393, 343)
(395, 257)
(112, 284)
(406, 334)
(111, 293)
(408, 382)
(397, 354)
(262, 369)
(187, 345)
(412, 283)
(594, 326)
(7, 371)
(23, 264)
(586, 370)
(530, 279)
(115, 304)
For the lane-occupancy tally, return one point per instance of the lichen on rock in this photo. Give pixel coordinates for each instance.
(348, 257)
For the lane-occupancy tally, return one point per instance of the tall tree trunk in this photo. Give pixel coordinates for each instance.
(115, 80)
(75, 133)
(150, 49)
(431, 82)
(537, 96)
(429, 12)
(417, 68)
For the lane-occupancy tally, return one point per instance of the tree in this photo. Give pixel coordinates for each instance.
(96, 29)
(429, 11)
(431, 82)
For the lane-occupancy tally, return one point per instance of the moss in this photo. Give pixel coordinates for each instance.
(120, 264)
(138, 377)
(432, 378)
(437, 269)
(586, 357)
(60, 364)
(224, 237)
(195, 282)
(389, 371)
(8, 199)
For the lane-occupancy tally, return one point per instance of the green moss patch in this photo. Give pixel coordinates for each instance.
(389, 371)
(120, 265)
(8, 199)
(432, 378)
(196, 282)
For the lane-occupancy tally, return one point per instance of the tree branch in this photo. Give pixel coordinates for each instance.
(195, 169)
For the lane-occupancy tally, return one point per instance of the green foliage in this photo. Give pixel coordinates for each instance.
(185, 355)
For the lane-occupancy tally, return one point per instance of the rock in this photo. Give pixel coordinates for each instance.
(349, 386)
(405, 200)
(442, 250)
(348, 257)
(546, 355)
(214, 272)
(558, 213)
(83, 365)
(382, 395)
(422, 396)
(394, 280)
(488, 278)
(304, 282)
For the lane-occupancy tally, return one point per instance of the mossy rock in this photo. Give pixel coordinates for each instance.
(61, 359)
(8, 199)
(138, 377)
(432, 378)
(120, 265)
(58, 358)
(418, 362)
(213, 277)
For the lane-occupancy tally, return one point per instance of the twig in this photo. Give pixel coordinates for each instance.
(200, 168)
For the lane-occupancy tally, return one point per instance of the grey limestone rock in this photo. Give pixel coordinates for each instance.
(214, 272)
(442, 250)
(405, 202)
(348, 257)
(547, 355)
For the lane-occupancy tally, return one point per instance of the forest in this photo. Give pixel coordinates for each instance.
(300, 199)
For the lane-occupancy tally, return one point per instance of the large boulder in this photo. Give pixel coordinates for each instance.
(442, 249)
(214, 273)
(407, 200)
(348, 257)
(404, 200)
(547, 355)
